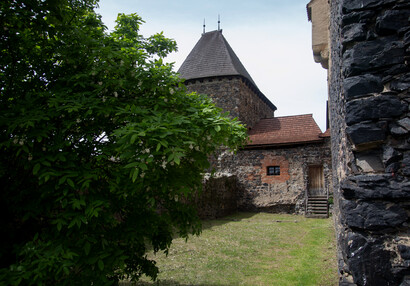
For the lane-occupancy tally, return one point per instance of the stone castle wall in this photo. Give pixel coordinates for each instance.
(284, 193)
(233, 94)
(370, 124)
(218, 197)
(255, 190)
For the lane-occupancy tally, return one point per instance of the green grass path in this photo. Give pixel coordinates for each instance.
(253, 249)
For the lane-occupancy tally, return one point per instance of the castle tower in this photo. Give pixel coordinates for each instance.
(284, 167)
(213, 68)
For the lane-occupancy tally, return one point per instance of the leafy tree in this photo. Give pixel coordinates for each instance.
(101, 146)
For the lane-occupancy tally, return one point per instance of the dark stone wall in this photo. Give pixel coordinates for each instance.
(286, 193)
(218, 197)
(370, 123)
(233, 95)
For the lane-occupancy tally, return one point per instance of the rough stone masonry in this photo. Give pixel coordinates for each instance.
(369, 84)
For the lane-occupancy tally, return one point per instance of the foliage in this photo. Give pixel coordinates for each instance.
(101, 145)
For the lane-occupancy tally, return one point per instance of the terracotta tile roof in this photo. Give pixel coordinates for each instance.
(326, 133)
(286, 130)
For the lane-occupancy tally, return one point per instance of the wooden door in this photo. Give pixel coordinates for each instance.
(316, 185)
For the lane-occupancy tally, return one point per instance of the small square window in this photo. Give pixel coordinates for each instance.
(273, 171)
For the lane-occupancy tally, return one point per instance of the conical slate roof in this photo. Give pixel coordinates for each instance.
(212, 56)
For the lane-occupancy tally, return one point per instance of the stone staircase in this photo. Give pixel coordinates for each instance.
(317, 206)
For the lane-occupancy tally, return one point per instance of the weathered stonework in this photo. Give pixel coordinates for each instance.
(284, 193)
(295, 143)
(318, 13)
(218, 197)
(235, 95)
(271, 159)
(369, 111)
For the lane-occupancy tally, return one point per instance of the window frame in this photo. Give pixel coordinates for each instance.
(273, 170)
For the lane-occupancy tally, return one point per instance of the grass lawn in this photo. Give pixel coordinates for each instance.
(252, 249)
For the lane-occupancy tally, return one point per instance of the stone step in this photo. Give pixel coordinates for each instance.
(318, 199)
(317, 207)
(317, 210)
(317, 204)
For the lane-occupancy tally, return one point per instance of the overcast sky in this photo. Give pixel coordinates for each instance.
(272, 38)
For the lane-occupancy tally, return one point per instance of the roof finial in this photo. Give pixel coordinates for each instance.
(204, 27)
(219, 23)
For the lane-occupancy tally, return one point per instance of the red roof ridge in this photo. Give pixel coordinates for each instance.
(297, 115)
(285, 130)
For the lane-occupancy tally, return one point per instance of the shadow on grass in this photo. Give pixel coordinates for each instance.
(209, 224)
(165, 283)
(206, 224)
(236, 217)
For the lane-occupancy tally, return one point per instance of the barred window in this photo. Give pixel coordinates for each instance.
(273, 170)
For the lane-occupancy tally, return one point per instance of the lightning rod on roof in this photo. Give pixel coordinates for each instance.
(219, 23)
(204, 27)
